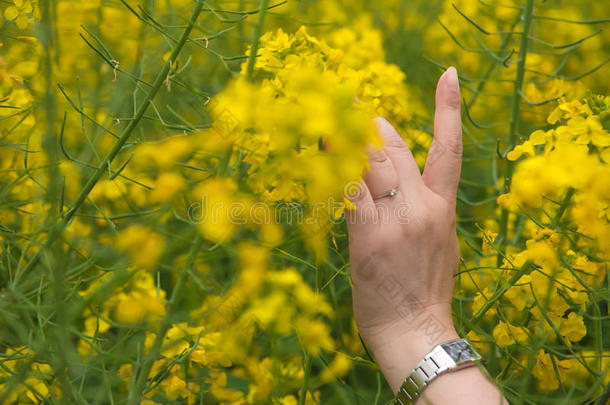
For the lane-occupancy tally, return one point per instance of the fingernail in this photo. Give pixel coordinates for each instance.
(451, 88)
(452, 73)
(379, 119)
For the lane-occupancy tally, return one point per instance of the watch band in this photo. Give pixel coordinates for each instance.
(449, 356)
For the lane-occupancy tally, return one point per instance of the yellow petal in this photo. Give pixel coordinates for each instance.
(22, 21)
(554, 116)
(538, 137)
(11, 13)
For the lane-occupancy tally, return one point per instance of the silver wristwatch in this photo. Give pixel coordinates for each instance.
(450, 356)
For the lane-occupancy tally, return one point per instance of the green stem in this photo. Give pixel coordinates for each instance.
(603, 399)
(59, 334)
(256, 35)
(499, 293)
(503, 47)
(562, 208)
(141, 373)
(303, 393)
(56, 230)
(515, 118)
(378, 393)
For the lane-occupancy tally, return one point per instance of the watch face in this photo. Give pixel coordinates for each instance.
(459, 351)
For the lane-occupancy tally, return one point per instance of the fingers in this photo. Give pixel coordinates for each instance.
(365, 214)
(399, 154)
(381, 176)
(391, 168)
(444, 162)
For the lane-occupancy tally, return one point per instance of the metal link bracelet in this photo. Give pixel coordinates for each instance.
(446, 357)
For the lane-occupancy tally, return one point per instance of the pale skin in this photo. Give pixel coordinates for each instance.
(404, 249)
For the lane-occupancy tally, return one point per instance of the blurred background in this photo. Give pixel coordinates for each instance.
(172, 177)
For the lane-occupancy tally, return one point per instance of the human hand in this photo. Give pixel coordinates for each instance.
(404, 250)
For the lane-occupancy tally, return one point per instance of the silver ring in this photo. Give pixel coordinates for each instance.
(390, 193)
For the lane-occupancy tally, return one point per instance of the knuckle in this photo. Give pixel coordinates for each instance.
(456, 148)
(400, 149)
(357, 196)
(395, 141)
(423, 224)
(433, 221)
(377, 156)
(428, 223)
(452, 146)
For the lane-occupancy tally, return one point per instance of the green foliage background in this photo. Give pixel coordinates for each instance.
(113, 120)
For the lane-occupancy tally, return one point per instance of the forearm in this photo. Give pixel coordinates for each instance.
(404, 254)
(401, 353)
(464, 387)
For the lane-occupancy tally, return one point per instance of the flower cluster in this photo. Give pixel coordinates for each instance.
(206, 261)
(547, 296)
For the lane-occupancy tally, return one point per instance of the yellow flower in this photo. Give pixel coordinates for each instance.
(545, 373)
(526, 148)
(163, 155)
(506, 334)
(508, 201)
(174, 387)
(315, 335)
(219, 209)
(288, 400)
(271, 233)
(569, 110)
(588, 130)
(253, 261)
(488, 239)
(572, 328)
(168, 185)
(543, 253)
(261, 373)
(143, 245)
(479, 300)
(141, 302)
(219, 389)
(338, 367)
(520, 294)
(480, 343)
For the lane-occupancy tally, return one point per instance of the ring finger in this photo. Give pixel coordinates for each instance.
(381, 176)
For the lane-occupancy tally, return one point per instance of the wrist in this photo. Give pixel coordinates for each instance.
(399, 347)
